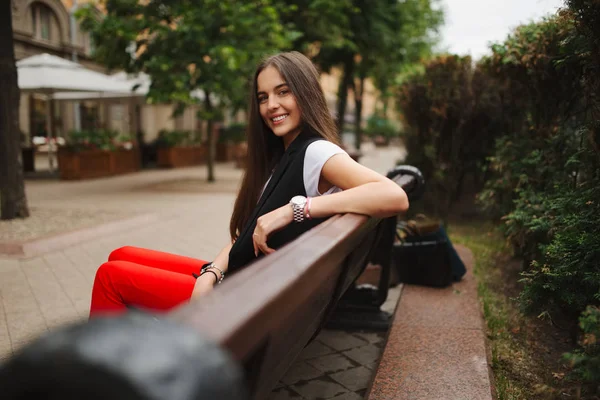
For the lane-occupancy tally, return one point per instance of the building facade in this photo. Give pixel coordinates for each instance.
(48, 26)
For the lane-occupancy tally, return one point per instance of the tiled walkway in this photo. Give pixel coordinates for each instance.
(192, 217)
(336, 365)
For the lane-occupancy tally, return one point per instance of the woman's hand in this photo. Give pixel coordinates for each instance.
(204, 284)
(268, 224)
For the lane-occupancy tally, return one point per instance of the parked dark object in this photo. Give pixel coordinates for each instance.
(424, 255)
(28, 154)
(133, 358)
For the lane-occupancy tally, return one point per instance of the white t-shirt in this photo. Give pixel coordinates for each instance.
(317, 154)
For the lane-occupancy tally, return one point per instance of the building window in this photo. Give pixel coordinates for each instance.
(42, 21)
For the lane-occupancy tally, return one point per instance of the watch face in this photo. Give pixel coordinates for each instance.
(298, 200)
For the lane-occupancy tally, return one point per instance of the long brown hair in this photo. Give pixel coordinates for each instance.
(264, 148)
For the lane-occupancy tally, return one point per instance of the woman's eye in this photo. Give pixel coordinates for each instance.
(262, 99)
(283, 92)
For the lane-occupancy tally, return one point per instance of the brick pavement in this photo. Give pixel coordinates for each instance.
(51, 289)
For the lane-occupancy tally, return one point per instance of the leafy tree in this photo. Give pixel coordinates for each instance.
(449, 113)
(316, 24)
(189, 46)
(418, 32)
(383, 35)
(13, 203)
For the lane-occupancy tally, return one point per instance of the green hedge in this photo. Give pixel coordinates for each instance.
(97, 139)
(449, 115)
(172, 138)
(538, 100)
(380, 126)
(235, 133)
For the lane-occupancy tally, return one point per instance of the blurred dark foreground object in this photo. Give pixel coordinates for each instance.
(424, 255)
(135, 357)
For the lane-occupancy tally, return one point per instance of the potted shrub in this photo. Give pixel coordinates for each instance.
(381, 130)
(96, 153)
(178, 149)
(230, 145)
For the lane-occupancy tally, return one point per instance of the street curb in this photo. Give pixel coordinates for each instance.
(436, 347)
(57, 241)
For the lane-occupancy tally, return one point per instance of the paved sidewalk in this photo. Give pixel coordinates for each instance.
(192, 218)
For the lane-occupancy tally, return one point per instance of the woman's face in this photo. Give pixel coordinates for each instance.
(277, 104)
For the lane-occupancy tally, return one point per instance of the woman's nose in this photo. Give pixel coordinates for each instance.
(272, 104)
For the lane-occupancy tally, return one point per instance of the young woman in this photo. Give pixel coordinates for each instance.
(296, 177)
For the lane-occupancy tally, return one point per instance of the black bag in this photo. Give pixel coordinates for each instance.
(421, 253)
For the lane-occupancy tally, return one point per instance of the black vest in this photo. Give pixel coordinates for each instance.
(286, 182)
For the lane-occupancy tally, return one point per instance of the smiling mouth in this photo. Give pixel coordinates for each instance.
(279, 119)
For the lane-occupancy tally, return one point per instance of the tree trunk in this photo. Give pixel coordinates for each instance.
(211, 144)
(345, 82)
(13, 203)
(358, 96)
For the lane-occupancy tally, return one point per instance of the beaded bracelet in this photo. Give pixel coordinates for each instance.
(307, 208)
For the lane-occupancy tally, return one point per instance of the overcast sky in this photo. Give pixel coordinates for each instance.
(472, 24)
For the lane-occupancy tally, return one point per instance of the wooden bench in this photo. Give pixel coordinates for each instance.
(268, 312)
(264, 315)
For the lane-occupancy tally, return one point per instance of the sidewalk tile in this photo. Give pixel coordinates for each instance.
(5, 346)
(354, 379)
(24, 327)
(19, 298)
(365, 354)
(61, 316)
(47, 290)
(83, 307)
(348, 396)
(300, 371)
(340, 340)
(331, 363)
(370, 337)
(315, 349)
(284, 393)
(372, 366)
(320, 389)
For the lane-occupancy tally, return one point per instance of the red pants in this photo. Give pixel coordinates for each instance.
(142, 278)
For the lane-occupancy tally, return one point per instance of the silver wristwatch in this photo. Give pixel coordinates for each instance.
(298, 203)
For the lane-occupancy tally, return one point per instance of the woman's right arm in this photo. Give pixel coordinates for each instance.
(206, 282)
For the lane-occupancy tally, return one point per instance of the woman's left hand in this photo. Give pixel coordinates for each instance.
(268, 224)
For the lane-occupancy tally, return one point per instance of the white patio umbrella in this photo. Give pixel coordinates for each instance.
(138, 87)
(141, 82)
(48, 74)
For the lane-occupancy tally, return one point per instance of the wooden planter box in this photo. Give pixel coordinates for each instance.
(225, 152)
(241, 154)
(381, 141)
(173, 157)
(97, 163)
